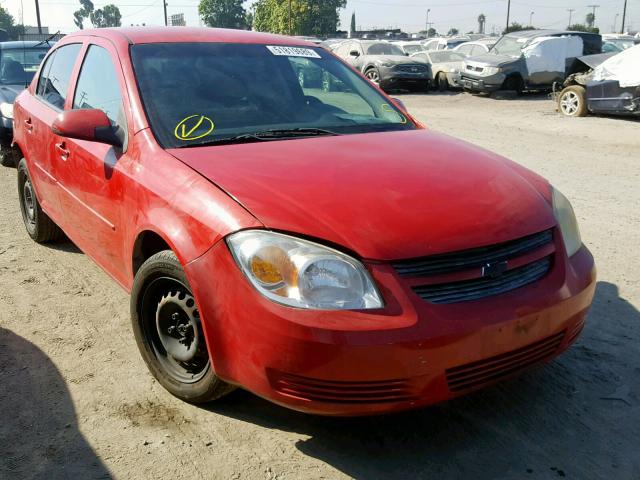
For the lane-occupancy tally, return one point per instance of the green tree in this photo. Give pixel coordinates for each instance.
(223, 13)
(580, 27)
(432, 32)
(590, 20)
(308, 17)
(517, 27)
(107, 16)
(453, 31)
(353, 22)
(80, 15)
(7, 23)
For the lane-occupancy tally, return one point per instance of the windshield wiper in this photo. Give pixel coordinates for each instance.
(264, 136)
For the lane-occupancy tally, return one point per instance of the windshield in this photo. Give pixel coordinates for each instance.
(18, 65)
(382, 49)
(509, 46)
(444, 56)
(413, 48)
(198, 93)
(455, 43)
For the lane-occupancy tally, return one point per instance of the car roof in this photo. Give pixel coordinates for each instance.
(23, 44)
(138, 35)
(544, 33)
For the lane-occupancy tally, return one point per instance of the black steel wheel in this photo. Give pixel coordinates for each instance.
(168, 330)
(37, 223)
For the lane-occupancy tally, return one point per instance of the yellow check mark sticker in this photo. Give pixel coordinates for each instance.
(194, 127)
(387, 108)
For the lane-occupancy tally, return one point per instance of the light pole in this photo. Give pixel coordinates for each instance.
(164, 3)
(508, 13)
(615, 22)
(531, 19)
(624, 16)
(428, 10)
(571, 10)
(38, 17)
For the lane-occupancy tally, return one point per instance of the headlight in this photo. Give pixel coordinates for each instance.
(303, 274)
(487, 71)
(6, 109)
(386, 64)
(567, 221)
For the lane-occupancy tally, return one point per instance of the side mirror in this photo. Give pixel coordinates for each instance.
(92, 125)
(354, 53)
(399, 103)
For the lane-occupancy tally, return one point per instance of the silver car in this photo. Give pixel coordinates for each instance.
(446, 66)
(385, 64)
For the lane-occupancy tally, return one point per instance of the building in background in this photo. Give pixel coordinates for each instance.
(177, 20)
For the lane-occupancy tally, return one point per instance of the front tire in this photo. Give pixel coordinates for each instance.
(572, 101)
(168, 330)
(39, 226)
(373, 75)
(442, 83)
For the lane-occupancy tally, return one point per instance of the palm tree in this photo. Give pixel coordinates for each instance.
(591, 19)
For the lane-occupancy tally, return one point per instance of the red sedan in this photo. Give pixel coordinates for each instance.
(284, 226)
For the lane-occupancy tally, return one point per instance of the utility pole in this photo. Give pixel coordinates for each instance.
(289, 17)
(164, 4)
(615, 22)
(38, 17)
(508, 13)
(428, 10)
(571, 10)
(624, 16)
(531, 19)
(594, 13)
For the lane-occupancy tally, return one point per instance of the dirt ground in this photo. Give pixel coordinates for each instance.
(76, 400)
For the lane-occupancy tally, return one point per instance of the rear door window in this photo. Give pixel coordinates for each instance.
(53, 84)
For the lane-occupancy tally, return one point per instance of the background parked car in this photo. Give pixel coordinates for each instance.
(444, 43)
(611, 86)
(476, 47)
(528, 60)
(19, 61)
(445, 67)
(385, 64)
(410, 48)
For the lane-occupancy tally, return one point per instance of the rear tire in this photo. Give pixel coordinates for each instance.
(167, 328)
(572, 101)
(39, 226)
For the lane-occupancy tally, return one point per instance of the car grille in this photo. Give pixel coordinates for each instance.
(484, 285)
(495, 368)
(305, 388)
(475, 289)
(411, 68)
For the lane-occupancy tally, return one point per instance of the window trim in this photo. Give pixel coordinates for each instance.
(54, 52)
(76, 82)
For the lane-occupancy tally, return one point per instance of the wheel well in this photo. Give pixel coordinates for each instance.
(514, 76)
(147, 244)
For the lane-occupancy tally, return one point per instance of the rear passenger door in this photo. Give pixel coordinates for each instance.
(40, 110)
(90, 177)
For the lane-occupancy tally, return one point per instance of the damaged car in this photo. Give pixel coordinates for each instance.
(611, 85)
(445, 67)
(531, 60)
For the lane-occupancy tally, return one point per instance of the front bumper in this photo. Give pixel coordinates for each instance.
(409, 354)
(491, 83)
(391, 77)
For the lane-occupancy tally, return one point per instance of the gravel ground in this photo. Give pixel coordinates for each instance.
(77, 401)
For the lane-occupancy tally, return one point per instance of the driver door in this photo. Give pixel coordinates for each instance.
(90, 172)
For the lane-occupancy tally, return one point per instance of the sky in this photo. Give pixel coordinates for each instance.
(409, 15)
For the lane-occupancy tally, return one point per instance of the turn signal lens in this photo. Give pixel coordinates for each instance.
(303, 274)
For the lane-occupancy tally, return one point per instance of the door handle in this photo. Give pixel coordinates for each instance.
(28, 125)
(62, 150)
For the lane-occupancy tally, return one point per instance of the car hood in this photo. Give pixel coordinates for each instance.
(393, 59)
(385, 196)
(447, 65)
(491, 60)
(8, 93)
